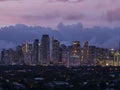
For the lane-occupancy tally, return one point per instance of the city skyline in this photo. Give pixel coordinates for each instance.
(53, 52)
(59, 44)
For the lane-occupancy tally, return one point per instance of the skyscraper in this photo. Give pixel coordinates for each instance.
(45, 50)
(75, 53)
(19, 55)
(92, 55)
(36, 51)
(64, 54)
(27, 50)
(85, 54)
(55, 51)
(2, 56)
(60, 55)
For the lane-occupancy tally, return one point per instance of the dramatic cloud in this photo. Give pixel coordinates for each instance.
(74, 17)
(113, 15)
(74, 1)
(54, 16)
(6, 0)
(99, 36)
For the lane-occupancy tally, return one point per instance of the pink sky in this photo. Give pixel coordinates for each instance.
(51, 12)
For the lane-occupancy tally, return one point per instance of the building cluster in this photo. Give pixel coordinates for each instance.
(51, 52)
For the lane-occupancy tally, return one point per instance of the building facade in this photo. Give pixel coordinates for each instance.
(45, 50)
(36, 52)
(55, 51)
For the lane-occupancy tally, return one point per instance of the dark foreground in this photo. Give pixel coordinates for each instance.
(59, 78)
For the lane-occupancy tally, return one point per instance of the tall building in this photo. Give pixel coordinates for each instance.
(85, 54)
(75, 53)
(45, 50)
(19, 56)
(55, 51)
(25, 47)
(9, 57)
(36, 52)
(2, 56)
(28, 53)
(64, 54)
(60, 55)
(111, 56)
(92, 55)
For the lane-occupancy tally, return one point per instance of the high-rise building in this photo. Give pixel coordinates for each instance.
(92, 55)
(85, 54)
(55, 51)
(36, 52)
(9, 57)
(45, 50)
(25, 47)
(116, 61)
(64, 53)
(28, 53)
(75, 54)
(60, 55)
(76, 48)
(102, 55)
(2, 56)
(19, 56)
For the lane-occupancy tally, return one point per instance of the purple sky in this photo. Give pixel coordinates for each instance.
(51, 12)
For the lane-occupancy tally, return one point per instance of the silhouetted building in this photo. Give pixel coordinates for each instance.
(64, 54)
(60, 55)
(2, 56)
(85, 54)
(36, 51)
(29, 54)
(19, 56)
(92, 55)
(45, 50)
(55, 51)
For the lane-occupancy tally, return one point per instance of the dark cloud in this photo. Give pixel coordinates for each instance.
(113, 15)
(4, 0)
(99, 36)
(63, 0)
(40, 17)
(66, 1)
(8, 0)
(74, 17)
(53, 16)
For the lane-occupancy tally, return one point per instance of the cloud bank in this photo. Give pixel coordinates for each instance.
(100, 36)
(71, 1)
